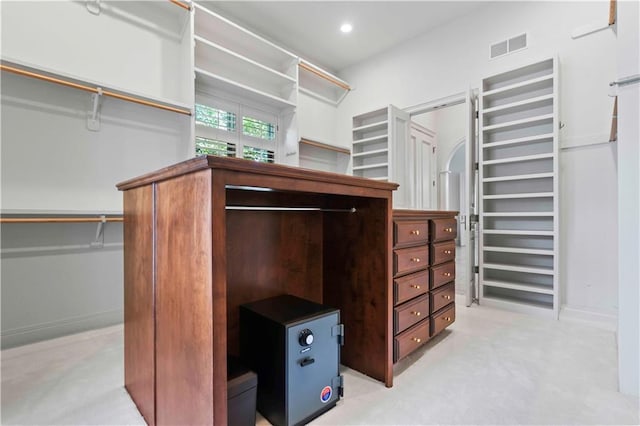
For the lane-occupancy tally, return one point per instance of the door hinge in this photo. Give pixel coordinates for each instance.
(476, 165)
(434, 149)
(476, 269)
(338, 384)
(474, 218)
(338, 330)
(477, 114)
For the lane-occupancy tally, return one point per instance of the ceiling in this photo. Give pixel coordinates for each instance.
(311, 28)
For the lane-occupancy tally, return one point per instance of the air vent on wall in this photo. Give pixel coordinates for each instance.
(513, 44)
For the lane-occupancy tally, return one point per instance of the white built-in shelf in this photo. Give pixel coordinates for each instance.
(519, 214)
(530, 307)
(384, 178)
(519, 159)
(206, 79)
(519, 286)
(217, 55)
(519, 177)
(518, 250)
(523, 232)
(380, 125)
(522, 195)
(519, 124)
(520, 141)
(516, 268)
(379, 138)
(520, 87)
(371, 166)
(519, 105)
(213, 27)
(321, 84)
(370, 153)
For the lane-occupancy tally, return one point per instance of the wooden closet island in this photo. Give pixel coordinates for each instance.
(206, 235)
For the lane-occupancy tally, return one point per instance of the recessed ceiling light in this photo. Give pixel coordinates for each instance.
(346, 27)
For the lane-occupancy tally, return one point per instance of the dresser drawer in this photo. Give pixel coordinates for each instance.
(443, 229)
(442, 274)
(410, 340)
(443, 319)
(442, 252)
(410, 286)
(410, 259)
(409, 232)
(442, 297)
(410, 313)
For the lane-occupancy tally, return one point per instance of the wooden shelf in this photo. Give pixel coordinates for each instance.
(517, 286)
(547, 137)
(518, 250)
(381, 125)
(518, 177)
(519, 105)
(371, 139)
(519, 124)
(521, 87)
(515, 268)
(371, 166)
(519, 214)
(211, 26)
(370, 153)
(207, 80)
(525, 232)
(519, 159)
(514, 196)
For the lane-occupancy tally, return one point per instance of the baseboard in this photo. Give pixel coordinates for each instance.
(53, 329)
(602, 320)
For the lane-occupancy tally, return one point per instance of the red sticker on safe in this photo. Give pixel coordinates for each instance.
(325, 395)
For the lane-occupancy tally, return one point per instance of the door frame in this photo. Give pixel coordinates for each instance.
(471, 203)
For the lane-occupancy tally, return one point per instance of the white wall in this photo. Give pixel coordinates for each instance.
(455, 57)
(629, 200)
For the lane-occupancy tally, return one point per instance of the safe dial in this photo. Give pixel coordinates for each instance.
(305, 337)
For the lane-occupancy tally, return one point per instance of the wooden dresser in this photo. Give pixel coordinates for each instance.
(424, 273)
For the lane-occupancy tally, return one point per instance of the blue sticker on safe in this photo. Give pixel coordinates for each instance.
(325, 395)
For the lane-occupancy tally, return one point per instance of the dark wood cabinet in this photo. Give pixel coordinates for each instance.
(209, 234)
(423, 277)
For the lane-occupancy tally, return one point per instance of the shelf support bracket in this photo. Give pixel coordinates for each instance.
(98, 242)
(93, 117)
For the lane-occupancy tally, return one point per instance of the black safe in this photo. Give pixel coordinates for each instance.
(294, 346)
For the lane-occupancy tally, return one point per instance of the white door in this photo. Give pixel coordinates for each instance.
(424, 164)
(469, 203)
(399, 165)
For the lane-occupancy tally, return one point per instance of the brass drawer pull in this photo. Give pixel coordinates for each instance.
(446, 296)
(448, 229)
(416, 313)
(447, 319)
(415, 259)
(416, 339)
(415, 232)
(448, 252)
(446, 274)
(416, 286)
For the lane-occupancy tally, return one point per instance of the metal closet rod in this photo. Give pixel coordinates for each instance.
(181, 4)
(324, 75)
(53, 219)
(97, 90)
(290, 209)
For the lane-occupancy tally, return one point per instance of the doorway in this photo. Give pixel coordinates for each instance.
(451, 122)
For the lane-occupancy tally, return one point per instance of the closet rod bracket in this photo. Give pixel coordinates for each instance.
(93, 117)
(98, 242)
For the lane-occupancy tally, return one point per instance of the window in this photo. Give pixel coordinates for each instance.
(258, 154)
(231, 129)
(258, 128)
(215, 118)
(205, 146)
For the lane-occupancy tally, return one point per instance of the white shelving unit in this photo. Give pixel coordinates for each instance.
(322, 85)
(518, 170)
(371, 153)
(232, 59)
